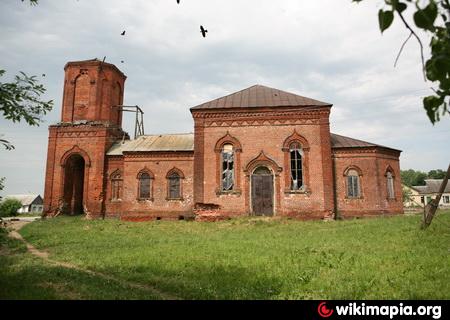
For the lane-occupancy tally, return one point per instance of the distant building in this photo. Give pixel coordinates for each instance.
(31, 203)
(422, 195)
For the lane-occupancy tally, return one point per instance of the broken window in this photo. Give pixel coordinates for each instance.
(353, 184)
(296, 155)
(390, 185)
(227, 167)
(116, 183)
(174, 186)
(144, 186)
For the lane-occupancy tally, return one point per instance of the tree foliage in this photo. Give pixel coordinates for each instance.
(21, 100)
(434, 19)
(9, 207)
(417, 178)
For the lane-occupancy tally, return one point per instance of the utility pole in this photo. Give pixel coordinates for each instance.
(430, 209)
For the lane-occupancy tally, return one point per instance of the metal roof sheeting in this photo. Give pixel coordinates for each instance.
(260, 96)
(185, 142)
(432, 186)
(149, 143)
(338, 141)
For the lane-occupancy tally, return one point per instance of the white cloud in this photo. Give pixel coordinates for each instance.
(325, 49)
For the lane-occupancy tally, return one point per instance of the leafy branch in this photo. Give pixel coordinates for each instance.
(433, 19)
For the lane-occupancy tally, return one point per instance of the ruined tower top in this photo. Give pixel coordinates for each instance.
(92, 91)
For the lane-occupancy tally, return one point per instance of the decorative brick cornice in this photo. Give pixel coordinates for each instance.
(362, 150)
(158, 154)
(261, 117)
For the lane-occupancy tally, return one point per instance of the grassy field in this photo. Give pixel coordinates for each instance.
(378, 258)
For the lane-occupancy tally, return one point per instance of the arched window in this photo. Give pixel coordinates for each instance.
(227, 167)
(353, 184)
(296, 165)
(116, 186)
(174, 186)
(390, 185)
(144, 185)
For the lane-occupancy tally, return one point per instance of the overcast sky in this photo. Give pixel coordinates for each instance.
(329, 50)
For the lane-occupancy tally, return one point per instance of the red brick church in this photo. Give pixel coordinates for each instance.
(258, 151)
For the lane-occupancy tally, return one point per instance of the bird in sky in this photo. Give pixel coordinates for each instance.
(178, 1)
(123, 33)
(203, 31)
(121, 61)
(43, 74)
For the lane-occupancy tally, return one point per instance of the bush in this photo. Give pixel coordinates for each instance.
(9, 207)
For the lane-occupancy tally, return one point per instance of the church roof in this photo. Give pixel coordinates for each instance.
(338, 141)
(148, 143)
(185, 142)
(260, 96)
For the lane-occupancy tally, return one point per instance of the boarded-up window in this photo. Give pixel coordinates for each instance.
(390, 185)
(227, 167)
(174, 186)
(353, 188)
(116, 184)
(144, 186)
(296, 155)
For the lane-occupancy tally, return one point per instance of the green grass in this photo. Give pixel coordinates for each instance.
(379, 258)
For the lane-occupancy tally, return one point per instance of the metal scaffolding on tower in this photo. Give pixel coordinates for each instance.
(139, 122)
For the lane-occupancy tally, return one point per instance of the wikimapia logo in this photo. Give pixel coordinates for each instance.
(354, 309)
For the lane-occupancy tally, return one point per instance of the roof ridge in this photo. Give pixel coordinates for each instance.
(262, 96)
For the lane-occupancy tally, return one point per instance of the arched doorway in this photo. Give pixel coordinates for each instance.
(74, 184)
(262, 191)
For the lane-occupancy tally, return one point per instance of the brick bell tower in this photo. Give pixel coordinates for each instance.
(90, 123)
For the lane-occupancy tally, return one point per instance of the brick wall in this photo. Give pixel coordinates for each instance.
(157, 164)
(373, 164)
(265, 133)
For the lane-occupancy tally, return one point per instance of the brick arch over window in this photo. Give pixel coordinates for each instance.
(262, 160)
(75, 150)
(228, 139)
(353, 182)
(295, 137)
(389, 169)
(145, 180)
(174, 184)
(353, 167)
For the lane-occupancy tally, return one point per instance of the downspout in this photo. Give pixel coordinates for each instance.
(337, 216)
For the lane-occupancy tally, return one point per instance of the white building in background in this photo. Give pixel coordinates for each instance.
(422, 195)
(31, 203)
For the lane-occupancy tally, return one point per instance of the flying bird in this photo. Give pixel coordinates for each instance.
(178, 1)
(121, 61)
(123, 33)
(203, 31)
(43, 74)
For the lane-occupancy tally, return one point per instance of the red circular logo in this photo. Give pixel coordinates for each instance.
(323, 311)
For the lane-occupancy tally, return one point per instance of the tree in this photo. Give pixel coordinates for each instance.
(20, 100)
(436, 174)
(434, 19)
(9, 207)
(413, 178)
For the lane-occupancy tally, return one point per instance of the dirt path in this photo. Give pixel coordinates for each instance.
(16, 225)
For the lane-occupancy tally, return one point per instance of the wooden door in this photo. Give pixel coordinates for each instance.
(262, 195)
